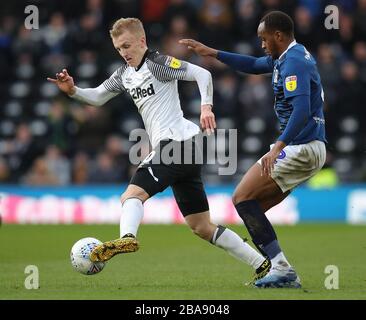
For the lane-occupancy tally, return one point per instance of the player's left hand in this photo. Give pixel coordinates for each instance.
(207, 120)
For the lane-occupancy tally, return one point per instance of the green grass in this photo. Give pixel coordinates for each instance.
(174, 264)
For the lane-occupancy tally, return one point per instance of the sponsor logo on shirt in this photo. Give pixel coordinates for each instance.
(319, 120)
(307, 54)
(281, 156)
(291, 83)
(275, 75)
(138, 93)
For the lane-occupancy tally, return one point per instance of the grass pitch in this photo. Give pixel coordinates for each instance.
(172, 263)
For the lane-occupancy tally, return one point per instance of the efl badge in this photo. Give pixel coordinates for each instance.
(175, 63)
(291, 83)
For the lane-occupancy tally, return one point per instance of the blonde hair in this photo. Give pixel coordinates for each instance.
(133, 25)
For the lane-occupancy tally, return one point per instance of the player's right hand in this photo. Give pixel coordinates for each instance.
(64, 81)
(199, 48)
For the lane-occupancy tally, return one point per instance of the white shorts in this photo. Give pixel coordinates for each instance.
(298, 163)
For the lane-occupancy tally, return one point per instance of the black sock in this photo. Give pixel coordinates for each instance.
(259, 227)
(266, 265)
(128, 235)
(218, 232)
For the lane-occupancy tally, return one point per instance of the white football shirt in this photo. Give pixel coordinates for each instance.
(153, 86)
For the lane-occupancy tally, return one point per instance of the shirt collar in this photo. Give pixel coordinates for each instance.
(288, 48)
(142, 60)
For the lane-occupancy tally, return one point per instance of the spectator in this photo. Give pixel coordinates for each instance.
(57, 164)
(4, 171)
(86, 35)
(178, 29)
(359, 52)
(80, 168)
(306, 30)
(104, 170)
(328, 67)
(346, 32)
(180, 8)
(351, 91)
(360, 20)
(27, 42)
(226, 95)
(217, 20)
(61, 127)
(21, 151)
(246, 20)
(40, 175)
(255, 91)
(54, 34)
(93, 125)
(114, 147)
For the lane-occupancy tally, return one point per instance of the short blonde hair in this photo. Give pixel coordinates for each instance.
(133, 25)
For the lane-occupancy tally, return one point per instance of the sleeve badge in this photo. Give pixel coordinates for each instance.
(175, 63)
(291, 83)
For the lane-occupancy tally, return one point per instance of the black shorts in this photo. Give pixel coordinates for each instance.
(183, 174)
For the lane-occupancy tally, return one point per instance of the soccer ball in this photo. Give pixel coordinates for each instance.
(79, 256)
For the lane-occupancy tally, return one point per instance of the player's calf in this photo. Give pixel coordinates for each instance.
(204, 231)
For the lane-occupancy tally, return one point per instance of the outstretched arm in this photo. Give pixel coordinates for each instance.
(94, 96)
(243, 63)
(204, 81)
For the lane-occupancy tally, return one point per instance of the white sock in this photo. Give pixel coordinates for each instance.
(234, 245)
(132, 213)
(280, 260)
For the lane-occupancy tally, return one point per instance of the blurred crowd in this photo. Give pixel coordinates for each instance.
(48, 139)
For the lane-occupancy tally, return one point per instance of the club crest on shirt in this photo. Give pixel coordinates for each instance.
(291, 83)
(174, 63)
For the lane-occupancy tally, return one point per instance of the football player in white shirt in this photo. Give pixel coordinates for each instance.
(151, 80)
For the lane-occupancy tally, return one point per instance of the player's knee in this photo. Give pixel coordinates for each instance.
(134, 192)
(123, 197)
(243, 195)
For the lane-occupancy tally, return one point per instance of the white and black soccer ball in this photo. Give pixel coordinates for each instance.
(80, 256)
